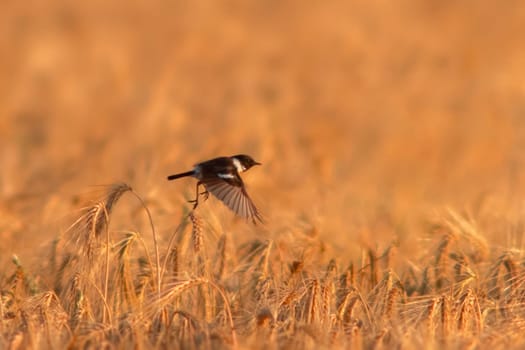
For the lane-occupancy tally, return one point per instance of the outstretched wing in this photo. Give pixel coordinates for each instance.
(233, 194)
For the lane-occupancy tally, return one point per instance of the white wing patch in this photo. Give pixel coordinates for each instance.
(225, 176)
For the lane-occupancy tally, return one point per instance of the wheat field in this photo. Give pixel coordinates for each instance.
(392, 137)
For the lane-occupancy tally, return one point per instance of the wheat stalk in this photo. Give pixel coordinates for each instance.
(196, 232)
(313, 302)
(445, 315)
(220, 257)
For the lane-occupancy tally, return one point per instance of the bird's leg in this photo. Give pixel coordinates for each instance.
(196, 200)
(205, 193)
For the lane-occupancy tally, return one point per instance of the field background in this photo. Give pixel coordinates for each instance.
(376, 122)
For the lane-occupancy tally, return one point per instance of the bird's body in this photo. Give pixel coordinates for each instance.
(220, 177)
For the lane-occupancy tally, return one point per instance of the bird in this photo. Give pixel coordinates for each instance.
(221, 177)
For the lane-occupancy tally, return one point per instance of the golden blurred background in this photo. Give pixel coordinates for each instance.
(368, 116)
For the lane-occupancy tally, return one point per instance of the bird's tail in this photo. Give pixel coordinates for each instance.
(176, 176)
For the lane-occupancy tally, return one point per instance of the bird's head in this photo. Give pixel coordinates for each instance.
(243, 162)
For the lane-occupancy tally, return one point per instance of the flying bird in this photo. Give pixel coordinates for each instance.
(221, 177)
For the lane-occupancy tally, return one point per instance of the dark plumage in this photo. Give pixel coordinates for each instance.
(220, 177)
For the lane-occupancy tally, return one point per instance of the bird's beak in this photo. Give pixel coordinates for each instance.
(257, 163)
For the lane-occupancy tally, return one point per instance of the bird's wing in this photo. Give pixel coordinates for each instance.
(234, 196)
